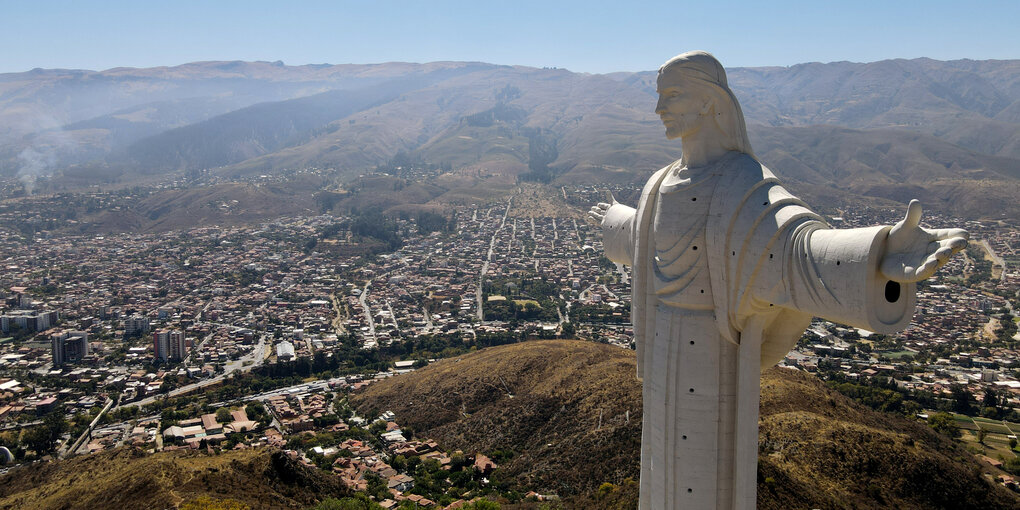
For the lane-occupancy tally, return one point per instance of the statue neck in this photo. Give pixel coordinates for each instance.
(703, 146)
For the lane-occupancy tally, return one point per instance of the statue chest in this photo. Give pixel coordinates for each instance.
(680, 264)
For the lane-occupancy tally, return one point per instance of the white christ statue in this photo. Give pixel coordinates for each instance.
(728, 270)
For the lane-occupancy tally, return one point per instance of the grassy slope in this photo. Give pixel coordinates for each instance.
(818, 449)
(127, 478)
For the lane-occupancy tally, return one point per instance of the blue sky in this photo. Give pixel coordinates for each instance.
(591, 36)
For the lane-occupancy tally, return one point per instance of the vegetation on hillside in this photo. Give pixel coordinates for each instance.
(569, 412)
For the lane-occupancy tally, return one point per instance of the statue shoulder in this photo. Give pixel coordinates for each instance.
(742, 176)
(745, 167)
(656, 177)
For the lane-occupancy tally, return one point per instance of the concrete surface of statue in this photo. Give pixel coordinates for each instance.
(728, 270)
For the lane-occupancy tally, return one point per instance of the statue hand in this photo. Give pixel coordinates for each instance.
(597, 213)
(913, 253)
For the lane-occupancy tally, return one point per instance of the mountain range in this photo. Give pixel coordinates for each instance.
(882, 131)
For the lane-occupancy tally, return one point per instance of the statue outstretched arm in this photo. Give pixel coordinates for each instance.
(617, 222)
(865, 277)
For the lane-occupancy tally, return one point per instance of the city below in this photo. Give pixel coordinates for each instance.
(233, 337)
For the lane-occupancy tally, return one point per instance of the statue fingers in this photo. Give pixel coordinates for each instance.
(604, 206)
(913, 217)
(943, 254)
(947, 233)
(956, 243)
(927, 269)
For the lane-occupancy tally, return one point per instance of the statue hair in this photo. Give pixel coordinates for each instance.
(702, 69)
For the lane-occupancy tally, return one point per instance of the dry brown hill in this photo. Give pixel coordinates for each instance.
(569, 411)
(128, 479)
(542, 400)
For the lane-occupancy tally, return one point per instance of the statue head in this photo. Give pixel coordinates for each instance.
(692, 91)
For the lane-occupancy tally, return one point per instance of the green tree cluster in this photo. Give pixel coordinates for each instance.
(944, 423)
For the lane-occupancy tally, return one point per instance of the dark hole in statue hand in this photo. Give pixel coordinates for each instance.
(892, 291)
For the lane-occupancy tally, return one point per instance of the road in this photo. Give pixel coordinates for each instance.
(428, 320)
(12, 426)
(338, 322)
(256, 356)
(393, 316)
(488, 258)
(65, 451)
(363, 299)
(624, 278)
(999, 261)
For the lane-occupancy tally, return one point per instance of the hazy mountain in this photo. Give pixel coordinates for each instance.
(268, 127)
(873, 129)
(53, 118)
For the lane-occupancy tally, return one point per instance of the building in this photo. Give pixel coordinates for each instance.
(285, 351)
(168, 345)
(178, 347)
(136, 324)
(28, 320)
(69, 346)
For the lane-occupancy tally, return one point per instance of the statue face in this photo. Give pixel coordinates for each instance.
(679, 104)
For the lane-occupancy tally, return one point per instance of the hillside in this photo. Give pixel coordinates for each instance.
(127, 479)
(569, 411)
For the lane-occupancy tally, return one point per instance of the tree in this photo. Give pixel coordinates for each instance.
(223, 415)
(482, 504)
(991, 398)
(944, 423)
(567, 329)
(207, 503)
(359, 502)
(377, 487)
(963, 401)
(37, 439)
(982, 433)
(43, 438)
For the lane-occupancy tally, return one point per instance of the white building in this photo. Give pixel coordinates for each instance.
(284, 351)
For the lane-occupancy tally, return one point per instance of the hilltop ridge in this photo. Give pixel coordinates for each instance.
(566, 415)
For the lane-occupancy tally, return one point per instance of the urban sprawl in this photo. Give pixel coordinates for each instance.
(237, 337)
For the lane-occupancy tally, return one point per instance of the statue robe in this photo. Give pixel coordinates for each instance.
(773, 265)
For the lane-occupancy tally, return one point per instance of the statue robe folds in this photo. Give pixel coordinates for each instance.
(771, 259)
(773, 265)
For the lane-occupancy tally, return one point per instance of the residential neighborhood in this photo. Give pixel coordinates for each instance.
(243, 336)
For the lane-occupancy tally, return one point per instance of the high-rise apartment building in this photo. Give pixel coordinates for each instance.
(178, 349)
(69, 346)
(136, 324)
(168, 345)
